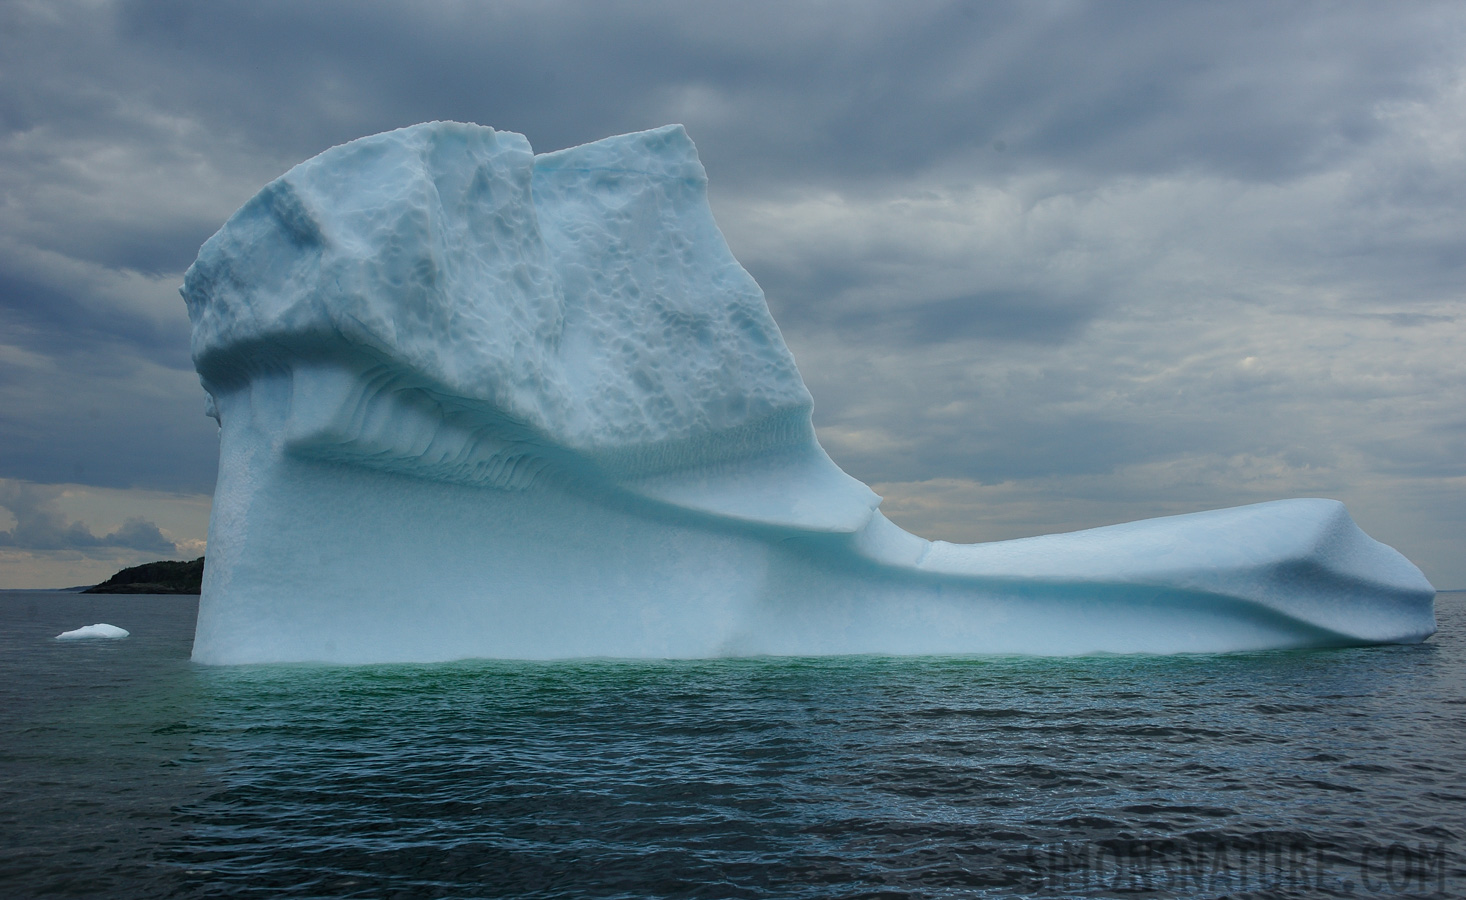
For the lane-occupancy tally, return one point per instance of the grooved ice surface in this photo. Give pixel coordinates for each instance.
(477, 402)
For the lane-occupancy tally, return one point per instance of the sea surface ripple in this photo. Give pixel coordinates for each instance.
(126, 771)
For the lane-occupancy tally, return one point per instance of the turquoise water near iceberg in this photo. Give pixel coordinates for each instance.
(126, 771)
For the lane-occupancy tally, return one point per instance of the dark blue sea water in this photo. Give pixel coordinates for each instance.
(126, 771)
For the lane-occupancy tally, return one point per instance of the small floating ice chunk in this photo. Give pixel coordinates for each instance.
(101, 631)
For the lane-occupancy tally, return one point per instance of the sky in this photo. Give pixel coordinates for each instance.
(1043, 265)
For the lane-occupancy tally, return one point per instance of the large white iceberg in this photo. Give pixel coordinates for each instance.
(480, 403)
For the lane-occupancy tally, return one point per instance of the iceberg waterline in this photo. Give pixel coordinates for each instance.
(476, 402)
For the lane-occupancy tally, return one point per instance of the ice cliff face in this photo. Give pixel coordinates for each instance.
(579, 308)
(476, 402)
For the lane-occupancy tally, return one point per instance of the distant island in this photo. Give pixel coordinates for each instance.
(165, 577)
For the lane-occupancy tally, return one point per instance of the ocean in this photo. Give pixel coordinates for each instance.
(126, 771)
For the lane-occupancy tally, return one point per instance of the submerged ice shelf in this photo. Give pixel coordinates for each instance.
(480, 403)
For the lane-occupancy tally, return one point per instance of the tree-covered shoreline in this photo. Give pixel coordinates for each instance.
(163, 577)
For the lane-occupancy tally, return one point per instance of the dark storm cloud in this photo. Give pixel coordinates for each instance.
(54, 321)
(151, 248)
(1025, 316)
(791, 91)
(79, 427)
(40, 526)
(1063, 166)
(775, 93)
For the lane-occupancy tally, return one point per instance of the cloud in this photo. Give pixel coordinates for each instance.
(81, 405)
(1025, 247)
(39, 526)
(839, 93)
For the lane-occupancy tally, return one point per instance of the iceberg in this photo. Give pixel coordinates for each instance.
(101, 631)
(475, 402)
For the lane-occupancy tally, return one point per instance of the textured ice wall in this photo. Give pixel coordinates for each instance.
(476, 402)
